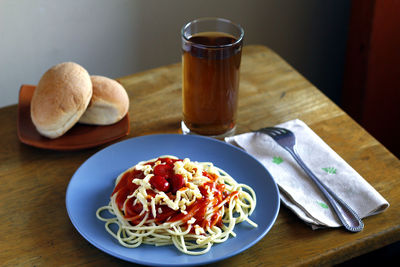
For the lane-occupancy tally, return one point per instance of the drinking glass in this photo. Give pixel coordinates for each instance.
(212, 49)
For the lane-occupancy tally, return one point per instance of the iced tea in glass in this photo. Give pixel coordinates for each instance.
(211, 58)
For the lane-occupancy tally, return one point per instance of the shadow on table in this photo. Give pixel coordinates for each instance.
(386, 256)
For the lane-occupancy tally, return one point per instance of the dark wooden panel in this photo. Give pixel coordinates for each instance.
(371, 92)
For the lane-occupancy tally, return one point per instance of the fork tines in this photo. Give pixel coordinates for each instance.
(274, 131)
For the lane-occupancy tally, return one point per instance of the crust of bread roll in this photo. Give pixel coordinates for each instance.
(61, 97)
(109, 103)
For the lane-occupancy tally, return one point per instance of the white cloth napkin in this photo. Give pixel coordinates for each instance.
(297, 191)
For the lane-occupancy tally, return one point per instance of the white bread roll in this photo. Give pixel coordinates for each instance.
(109, 103)
(60, 99)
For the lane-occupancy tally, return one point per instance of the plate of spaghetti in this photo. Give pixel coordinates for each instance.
(172, 200)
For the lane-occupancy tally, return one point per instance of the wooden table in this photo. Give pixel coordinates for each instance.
(36, 230)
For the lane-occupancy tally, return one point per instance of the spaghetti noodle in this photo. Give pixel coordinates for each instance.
(167, 200)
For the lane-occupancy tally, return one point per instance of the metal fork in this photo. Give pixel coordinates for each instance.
(286, 139)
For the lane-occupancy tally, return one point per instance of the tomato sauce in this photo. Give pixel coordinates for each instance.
(197, 210)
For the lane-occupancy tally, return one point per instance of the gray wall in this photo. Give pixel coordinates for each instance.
(120, 37)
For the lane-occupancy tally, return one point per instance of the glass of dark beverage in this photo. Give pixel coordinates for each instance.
(212, 49)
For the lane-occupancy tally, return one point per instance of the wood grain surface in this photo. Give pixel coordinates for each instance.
(36, 230)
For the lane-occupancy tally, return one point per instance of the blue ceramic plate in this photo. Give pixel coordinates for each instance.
(91, 185)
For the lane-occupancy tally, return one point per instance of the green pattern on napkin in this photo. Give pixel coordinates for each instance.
(277, 160)
(330, 170)
(323, 205)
